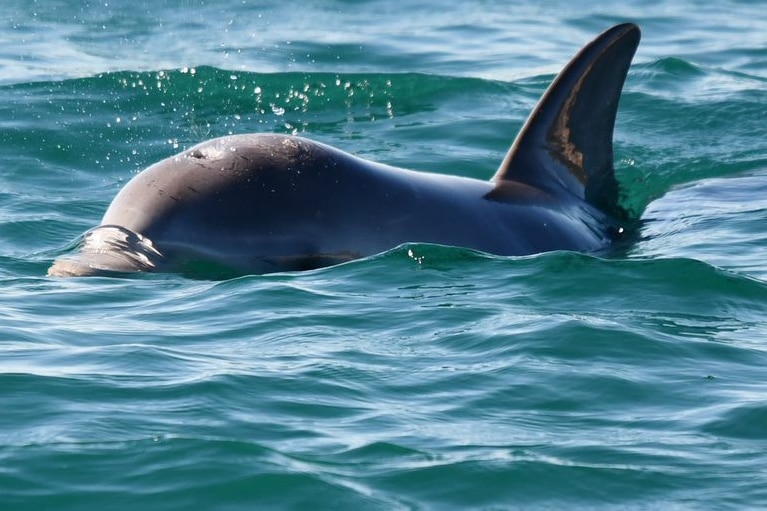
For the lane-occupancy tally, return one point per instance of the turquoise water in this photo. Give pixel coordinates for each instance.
(423, 378)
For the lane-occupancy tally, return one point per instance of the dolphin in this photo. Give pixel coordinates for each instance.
(260, 203)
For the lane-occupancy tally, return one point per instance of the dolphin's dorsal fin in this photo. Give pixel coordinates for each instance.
(566, 142)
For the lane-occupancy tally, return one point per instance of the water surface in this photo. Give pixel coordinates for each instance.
(423, 378)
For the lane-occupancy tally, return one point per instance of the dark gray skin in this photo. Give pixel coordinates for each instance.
(264, 203)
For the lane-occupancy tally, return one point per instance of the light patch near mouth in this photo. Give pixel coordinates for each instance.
(108, 249)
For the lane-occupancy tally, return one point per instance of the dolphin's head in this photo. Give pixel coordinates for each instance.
(108, 249)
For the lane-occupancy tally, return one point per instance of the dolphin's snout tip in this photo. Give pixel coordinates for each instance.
(68, 267)
(61, 268)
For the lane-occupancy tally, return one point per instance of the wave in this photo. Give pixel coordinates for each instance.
(230, 92)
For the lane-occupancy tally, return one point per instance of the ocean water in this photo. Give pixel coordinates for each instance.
(422, 378)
